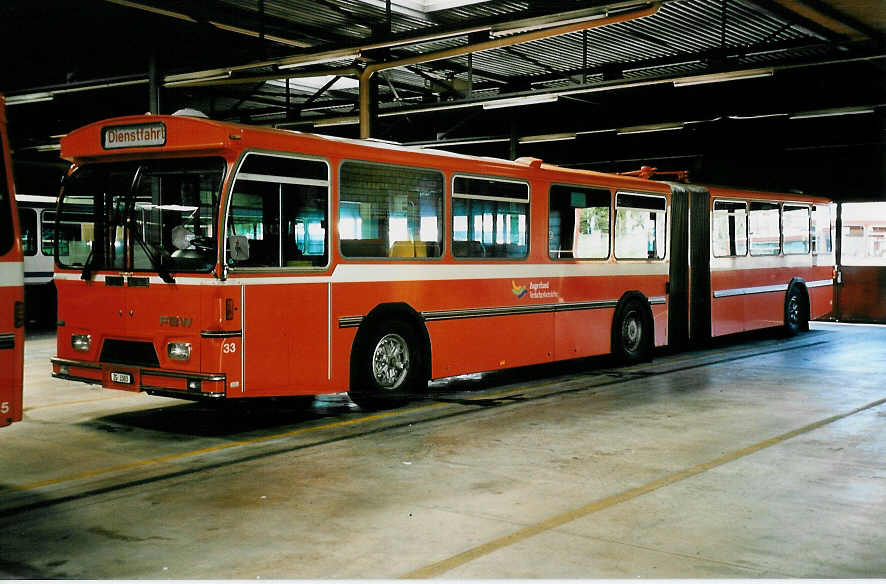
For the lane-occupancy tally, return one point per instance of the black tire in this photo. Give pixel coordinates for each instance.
(632, 333)
(796, 315)
(387, 366)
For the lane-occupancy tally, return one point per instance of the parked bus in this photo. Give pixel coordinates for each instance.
(214, 260)
(12, 302)
(36, 217)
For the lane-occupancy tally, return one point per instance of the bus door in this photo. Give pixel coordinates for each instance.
(689, 302)
(278, 249)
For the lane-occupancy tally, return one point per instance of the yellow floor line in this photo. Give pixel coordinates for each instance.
(487, 548)
(217, 448)
(76, 402)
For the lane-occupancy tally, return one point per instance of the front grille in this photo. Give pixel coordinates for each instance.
(129, 353)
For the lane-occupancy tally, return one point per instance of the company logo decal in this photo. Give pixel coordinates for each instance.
(535, 290)
(519, 291)
(182, 321)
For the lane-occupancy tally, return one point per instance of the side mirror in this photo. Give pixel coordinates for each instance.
(238, 248)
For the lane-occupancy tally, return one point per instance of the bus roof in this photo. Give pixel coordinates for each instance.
(153, 135)
(158, 135)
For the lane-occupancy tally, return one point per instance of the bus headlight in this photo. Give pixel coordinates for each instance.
(81, 342)
(179, 351)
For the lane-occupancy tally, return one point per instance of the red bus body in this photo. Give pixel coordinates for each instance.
(12, 307)
(295, 330)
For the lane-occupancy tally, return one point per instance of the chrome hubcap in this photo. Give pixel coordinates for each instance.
(390, 361)
(631, 332)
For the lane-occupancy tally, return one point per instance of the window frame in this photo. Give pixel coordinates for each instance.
(443, 211)
(778, 206)
(808, 207)
(832, 211)
(229, 199)
(615, 224)
(37, 216)
(611, 223)
(747, 227)
(495, 178)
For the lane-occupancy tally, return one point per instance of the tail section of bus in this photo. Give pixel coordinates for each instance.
(12, 305)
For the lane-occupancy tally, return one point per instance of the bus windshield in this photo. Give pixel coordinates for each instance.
(153, 215)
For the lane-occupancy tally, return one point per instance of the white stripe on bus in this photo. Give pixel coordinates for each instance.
(402, 272)
(12, 274)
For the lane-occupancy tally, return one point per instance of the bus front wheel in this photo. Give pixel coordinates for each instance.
(388, 367)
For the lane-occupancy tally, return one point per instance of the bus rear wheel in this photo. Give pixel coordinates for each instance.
(631, 342)
(388, 367)
(796, 317)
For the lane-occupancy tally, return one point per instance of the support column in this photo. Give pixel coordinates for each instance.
(154, 85)
(368, 104)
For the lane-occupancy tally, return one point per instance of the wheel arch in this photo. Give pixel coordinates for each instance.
(626, 298)
(386, 312)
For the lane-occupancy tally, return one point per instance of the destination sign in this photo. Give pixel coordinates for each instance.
(134, 136)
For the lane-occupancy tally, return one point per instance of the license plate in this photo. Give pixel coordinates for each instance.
(121, 377)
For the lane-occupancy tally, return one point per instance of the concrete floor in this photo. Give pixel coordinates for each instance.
(761, 458)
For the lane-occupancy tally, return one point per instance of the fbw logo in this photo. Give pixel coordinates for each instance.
(182, 321)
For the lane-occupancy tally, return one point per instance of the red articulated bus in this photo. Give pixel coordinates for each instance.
(12, 296)
(200, 259)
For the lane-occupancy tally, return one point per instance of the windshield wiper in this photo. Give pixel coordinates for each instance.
(86, 274)
(164, 274)
(129, 210)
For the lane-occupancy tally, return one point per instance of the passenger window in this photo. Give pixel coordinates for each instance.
(490, 218)
(279, 210)
(729, 232)
(640, 226)
(390, 211)
(821, 229)
(47, 232)
(795, 224)
(578, 223)
(764, 229)
(27, 219)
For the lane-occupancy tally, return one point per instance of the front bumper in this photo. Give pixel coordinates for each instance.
(180, 384)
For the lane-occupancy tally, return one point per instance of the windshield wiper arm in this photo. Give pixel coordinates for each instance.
(129, 210)
(86, 274)
(164, 274)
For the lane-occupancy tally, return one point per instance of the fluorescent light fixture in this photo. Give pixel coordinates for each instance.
(601, 131)
(826, 113)
(318, 58)
(444, 144)
(420, 8)
(721, 77)
(666, 127)
(28, 98)
(342, 121)
(314, 83)
(255, 34)
(524, 100)
(198, 80)
(547, 138)
(537, 23)
(756, 117)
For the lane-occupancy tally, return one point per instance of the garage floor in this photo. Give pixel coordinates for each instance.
(765, 457)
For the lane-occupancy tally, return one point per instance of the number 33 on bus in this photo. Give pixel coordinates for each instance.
(200, 259)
